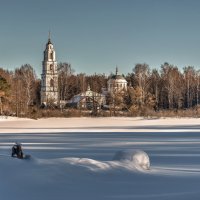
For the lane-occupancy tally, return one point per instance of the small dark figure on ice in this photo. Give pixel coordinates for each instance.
(17, 151)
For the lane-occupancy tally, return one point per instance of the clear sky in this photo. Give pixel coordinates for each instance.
(96, 35)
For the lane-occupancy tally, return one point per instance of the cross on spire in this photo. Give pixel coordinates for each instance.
(49, 37)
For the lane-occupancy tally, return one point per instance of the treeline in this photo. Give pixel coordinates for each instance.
(169, 88)
(165, 91)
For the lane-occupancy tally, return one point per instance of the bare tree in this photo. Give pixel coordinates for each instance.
(155, 84)
(142, 77)
(64, 80)
(171, 78)
(189, 77)
(197, 84)
(4, 87)
(24, 79)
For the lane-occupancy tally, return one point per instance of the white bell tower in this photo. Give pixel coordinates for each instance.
(49, 84)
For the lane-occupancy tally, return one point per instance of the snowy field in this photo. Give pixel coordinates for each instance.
(79, 158)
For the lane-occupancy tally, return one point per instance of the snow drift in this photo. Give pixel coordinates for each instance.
(131, 160)
(128, 159)
(138, 158)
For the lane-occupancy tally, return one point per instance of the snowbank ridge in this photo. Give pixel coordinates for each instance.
(138, 158)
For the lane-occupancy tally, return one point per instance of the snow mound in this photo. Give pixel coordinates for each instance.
(138, 158)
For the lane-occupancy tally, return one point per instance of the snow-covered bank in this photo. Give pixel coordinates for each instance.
(117, 124)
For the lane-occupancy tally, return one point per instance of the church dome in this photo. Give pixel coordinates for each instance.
(116, 83)
(117, 77)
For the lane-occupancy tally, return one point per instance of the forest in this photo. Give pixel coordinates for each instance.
(169, 91)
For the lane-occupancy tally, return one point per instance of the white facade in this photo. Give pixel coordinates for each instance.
(88, 98)
(116, 83)
(49, 84)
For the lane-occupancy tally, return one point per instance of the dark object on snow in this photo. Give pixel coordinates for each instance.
(17, 151)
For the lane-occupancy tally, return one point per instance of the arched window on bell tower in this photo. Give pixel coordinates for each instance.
(51, 83)
(51, 67)
(51, 55)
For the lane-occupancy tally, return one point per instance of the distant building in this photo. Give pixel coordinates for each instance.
(88, 100)
(49, 83)
(116, 83)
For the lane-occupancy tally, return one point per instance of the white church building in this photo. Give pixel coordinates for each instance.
(88, 99)
(49, 76)
(49, 83)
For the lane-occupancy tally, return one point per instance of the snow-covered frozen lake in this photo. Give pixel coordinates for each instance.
(80, 165)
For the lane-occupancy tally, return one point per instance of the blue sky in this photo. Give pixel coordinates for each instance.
(96, 35)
